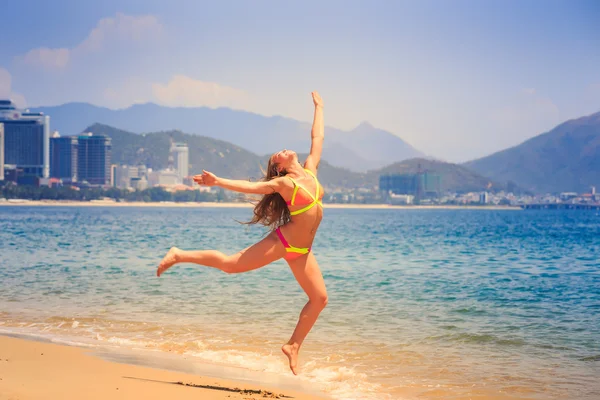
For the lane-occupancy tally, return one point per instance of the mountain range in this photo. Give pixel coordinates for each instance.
(359, 150)
(228, 160)
(565, 159)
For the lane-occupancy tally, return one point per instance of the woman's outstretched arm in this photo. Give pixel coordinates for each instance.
(317, 135)
(268, 187)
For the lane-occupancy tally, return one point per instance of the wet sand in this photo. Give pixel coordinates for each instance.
(38, 370)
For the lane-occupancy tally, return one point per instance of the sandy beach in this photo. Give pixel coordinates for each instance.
(39, 370)
(107, 203)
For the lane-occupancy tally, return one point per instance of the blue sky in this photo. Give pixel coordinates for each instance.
(456, 79)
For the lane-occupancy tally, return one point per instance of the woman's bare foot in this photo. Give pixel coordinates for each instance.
(291, 351)
(168, 261)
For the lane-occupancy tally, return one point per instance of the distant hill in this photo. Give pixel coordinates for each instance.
(231, 161)
(567, 158)
(152, 150)
(220, 157)
(376, 146)
(359, 150)
(454, 178)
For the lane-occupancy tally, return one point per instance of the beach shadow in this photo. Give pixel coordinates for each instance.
(261, 392)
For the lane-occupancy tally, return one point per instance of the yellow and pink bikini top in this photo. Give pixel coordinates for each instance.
(299, 200)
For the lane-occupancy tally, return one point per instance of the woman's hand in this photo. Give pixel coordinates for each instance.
(317, 99)
(206, 178)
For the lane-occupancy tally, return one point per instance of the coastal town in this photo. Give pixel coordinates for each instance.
(38, 165)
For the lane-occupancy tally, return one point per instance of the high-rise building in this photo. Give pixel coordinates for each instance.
(181, 157)
(113, 175)
(166, 177)
(139, 183)
(26, 139)
(1, 151)
(424, 184)
(63, 157)
(124, 175)
(93, 159)
(484, 198)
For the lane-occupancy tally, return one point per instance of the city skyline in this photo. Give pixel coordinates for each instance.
(457, 80)
(34, 157)
(86, 158)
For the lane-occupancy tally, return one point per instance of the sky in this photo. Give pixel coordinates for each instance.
(456, 79)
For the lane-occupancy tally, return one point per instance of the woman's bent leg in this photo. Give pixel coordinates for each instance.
(256, 256)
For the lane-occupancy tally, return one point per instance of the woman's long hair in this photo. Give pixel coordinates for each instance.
(271, 210)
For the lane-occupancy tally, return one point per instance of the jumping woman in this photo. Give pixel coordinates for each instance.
(291, 207)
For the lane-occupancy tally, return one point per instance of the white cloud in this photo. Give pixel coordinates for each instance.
(6, 89)
(122, 27)
(109, 68)
(113, 31)
(183, 91)
(179, 91)
(130, 91)
(46, 58)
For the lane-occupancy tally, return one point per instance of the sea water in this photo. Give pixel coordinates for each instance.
(450, 304)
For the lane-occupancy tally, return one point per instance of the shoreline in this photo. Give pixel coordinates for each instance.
(69, 372)
(102, 203)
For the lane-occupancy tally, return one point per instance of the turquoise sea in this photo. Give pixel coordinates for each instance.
(445, 304)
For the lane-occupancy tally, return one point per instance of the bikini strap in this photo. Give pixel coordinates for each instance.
(316, 198)
(296, 187)
(308, 207)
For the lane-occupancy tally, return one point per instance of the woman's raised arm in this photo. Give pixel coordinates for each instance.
(317, 135)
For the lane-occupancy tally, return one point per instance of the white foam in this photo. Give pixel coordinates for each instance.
(72, 342)
(339, 382)
(36, 335)
(342, 383)
(130, 343)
